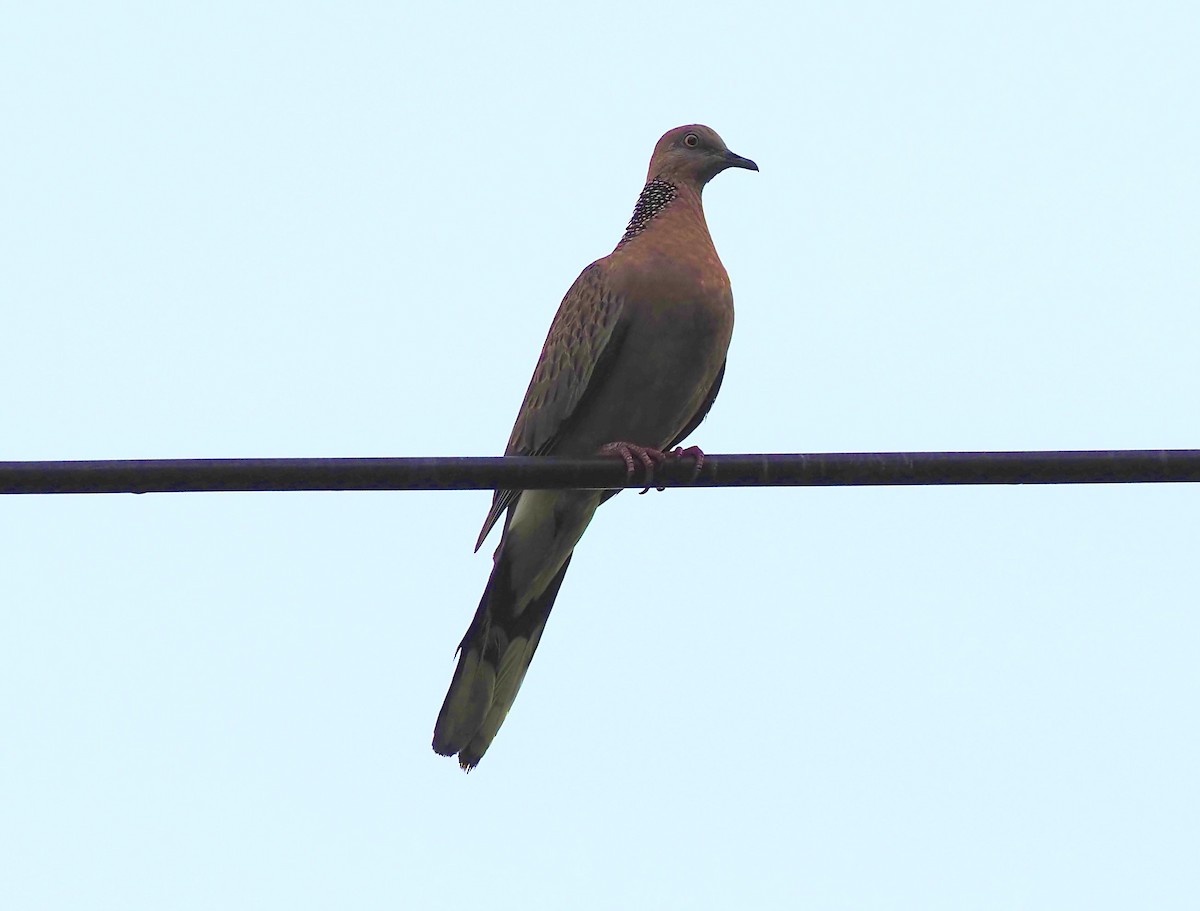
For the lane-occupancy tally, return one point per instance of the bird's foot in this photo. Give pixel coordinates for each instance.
(650, 459)
(644, 454)
(695, 452)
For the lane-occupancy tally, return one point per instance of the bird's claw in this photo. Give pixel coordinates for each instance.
(651, 459)
(627, 451)
(696, 453)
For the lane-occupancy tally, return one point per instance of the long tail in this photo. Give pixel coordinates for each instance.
(493, 658)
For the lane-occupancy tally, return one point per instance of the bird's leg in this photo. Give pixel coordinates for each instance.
(627, 451)
(679, 452)
(695, 452)
(651, 458)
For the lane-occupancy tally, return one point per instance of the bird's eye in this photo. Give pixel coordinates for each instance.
(691, 140)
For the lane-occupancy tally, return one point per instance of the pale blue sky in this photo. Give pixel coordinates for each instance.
(342, 230)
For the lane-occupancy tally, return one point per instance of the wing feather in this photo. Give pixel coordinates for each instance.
(583, 339)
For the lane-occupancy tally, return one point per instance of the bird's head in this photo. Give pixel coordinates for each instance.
(693, 154)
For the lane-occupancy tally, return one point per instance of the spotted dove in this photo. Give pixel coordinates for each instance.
(631, 365)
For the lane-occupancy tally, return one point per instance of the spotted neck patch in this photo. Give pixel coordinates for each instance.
(655, 197)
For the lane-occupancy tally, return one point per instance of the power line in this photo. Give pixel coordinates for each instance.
(524, 472)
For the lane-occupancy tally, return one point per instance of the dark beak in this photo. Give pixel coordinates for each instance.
(733, 160)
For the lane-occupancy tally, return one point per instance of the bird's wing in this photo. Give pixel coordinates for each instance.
(580, 347)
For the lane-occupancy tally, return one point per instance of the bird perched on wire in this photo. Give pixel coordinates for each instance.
(631, 365)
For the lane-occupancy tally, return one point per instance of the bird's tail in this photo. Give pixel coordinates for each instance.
(493, 658)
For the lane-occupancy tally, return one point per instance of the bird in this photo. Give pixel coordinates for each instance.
(631, 365)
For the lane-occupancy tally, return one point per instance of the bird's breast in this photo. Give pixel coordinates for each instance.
(676, 323)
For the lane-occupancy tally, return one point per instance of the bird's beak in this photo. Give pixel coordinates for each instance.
(733, 160)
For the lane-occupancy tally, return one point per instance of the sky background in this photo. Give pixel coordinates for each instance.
(234, 229)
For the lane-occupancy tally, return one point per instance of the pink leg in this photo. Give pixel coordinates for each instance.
(651, 458)
(695, 452)
(647, 456)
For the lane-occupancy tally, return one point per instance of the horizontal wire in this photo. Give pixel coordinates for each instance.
(1129, 466)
